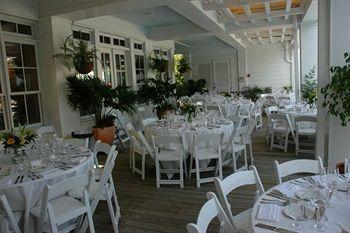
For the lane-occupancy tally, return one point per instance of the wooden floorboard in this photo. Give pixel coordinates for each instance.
(146, 209)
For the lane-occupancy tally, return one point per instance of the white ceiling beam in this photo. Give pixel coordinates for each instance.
(248, 12)
(175, 31)
(263, 15)
(268, 11)
(231, 28)
(225, 13)
(232, 3)
(288, 8)
(257, 33)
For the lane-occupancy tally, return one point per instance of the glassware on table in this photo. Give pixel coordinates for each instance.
(295, 225)
(320, 210)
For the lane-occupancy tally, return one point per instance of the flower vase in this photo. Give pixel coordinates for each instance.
(16, 155)
(189, 117)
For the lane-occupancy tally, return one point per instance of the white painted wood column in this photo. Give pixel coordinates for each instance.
(323, 78)
(296, 46)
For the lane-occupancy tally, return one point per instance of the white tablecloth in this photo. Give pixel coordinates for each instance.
(25, 195)
(188, 132)
(339, 213)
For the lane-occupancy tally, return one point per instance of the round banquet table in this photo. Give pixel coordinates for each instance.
(335, 217)
(24, 195)
(189, 131)
(292, 114)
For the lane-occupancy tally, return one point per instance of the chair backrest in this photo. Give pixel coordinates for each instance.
(270, 100)
(103, 148)
(138, 138)
(234, 181)
(208, 140)
(297, 166)
(216, 108)
(279, 118)
(60, 189)
(5, 206)
(207, 213)
(305, 121)
(168, 142)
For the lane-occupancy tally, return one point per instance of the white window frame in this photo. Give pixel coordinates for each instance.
(5, 83)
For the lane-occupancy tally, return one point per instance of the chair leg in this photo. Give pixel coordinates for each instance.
(272, 139)
(245, 159)
(91, 222)
(198, 176)
(114, 218)
(190, 168)
(133, 162)
(286, 142)
(296, 144)
(157, 173)
(185, 167)
(234, 162)
(143, 165)
(251, 153)
(220, 167)
(181, 173)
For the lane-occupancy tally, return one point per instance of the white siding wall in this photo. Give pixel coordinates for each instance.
(267, 66)
(308, 47)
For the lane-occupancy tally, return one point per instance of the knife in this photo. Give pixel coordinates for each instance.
(273, 228)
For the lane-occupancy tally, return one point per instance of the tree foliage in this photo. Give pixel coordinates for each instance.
(309, 88)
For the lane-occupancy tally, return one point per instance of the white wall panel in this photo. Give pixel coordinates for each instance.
(267, 66)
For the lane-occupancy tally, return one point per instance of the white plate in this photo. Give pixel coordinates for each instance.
(296, 210)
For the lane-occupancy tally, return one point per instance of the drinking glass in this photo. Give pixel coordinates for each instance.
(295, 216)
(319, 226)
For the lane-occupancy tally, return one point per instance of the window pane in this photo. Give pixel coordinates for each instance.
(31, 78)
(142, 64)
(28, 55)
(85, 36)
(107, 40)
(122, 43)
(33, 109)
(8, 26)
(24, 29)
(115, 41)
(101, 39)
(13, 54)
(137, 62)
(18, 110)
(117, 62)
(123, 77)
(76, 35)
(122, 62)
(16, 80)
(2, 120)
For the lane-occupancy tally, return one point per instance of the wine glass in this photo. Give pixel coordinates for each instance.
(320, 210)
(295, 214)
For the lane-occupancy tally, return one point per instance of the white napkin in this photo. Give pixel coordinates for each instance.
(288, 188)
(269, 212)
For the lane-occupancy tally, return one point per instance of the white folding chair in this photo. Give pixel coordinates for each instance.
(215, 108)
(280, 131)
(258, 115)
(210, 210)
(45, 133)
(233, 148)
(270, 101)
(102, 148)
(241, 221)
(120, 131)
(283, 100)
(248, 138)
(103, 190)
(58, 210)
(138, 146)
(297, 166)
(169, 149)
(79, 142)
(305, 126)
(9, 218)
(148, 121)
(205, 148)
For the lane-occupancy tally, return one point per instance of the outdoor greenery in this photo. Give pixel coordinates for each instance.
(190, 87)
(337, 92)
(287, 88)
(181, 68)
(309, 88)
(92, 95)
(77, 55)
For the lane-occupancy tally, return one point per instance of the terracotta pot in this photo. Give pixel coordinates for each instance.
(162, 113)
(341, 167)
(106, 135)
(85, 68)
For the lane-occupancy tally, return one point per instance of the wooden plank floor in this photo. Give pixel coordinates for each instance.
(145, 208)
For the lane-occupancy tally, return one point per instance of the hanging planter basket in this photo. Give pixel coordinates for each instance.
(84, 68)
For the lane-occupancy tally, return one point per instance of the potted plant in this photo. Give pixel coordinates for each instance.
(77, 55)
(252, 92)
(92, 95)
(159, 93)
(336, 93)
(309, 88)
(159, 65)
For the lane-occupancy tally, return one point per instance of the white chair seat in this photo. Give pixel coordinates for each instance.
(169, 155)
(280, 128)
(60, 207)
(78, 193)
(243, 221)
(208, 153)
(238, 147)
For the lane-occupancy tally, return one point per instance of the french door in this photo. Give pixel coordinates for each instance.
(20, 96)
(113, 66)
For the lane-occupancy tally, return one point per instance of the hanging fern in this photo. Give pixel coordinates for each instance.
(337, 92)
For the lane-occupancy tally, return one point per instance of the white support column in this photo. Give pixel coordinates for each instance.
(296, 58)
(323, 78)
